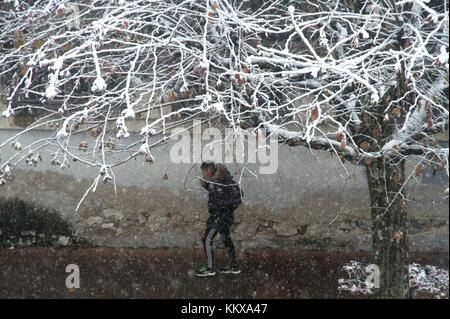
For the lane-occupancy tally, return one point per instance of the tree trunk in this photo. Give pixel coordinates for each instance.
(386, 177)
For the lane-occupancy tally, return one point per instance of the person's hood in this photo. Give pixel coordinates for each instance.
(222, 174)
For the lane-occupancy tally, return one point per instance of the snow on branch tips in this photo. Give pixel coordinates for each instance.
(359, 82)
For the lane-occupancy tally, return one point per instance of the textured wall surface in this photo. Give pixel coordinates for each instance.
(311, 202)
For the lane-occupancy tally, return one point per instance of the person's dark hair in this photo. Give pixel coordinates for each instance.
(209, 166)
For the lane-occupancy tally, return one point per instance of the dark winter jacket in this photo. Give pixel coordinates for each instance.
(224, 193)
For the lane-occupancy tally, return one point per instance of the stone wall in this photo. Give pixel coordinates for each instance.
(311, 202)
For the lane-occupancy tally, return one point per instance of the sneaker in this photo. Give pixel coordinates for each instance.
(231, 270)
(205, 272)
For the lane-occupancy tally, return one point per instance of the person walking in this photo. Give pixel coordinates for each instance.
(224, 196)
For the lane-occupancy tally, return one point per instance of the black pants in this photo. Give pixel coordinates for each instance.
(216, 225)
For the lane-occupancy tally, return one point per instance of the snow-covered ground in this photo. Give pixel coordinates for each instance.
(423, 278)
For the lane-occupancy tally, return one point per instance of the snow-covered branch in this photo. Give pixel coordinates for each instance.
(361, 82)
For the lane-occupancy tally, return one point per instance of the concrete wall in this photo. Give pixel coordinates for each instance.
(311, 202)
